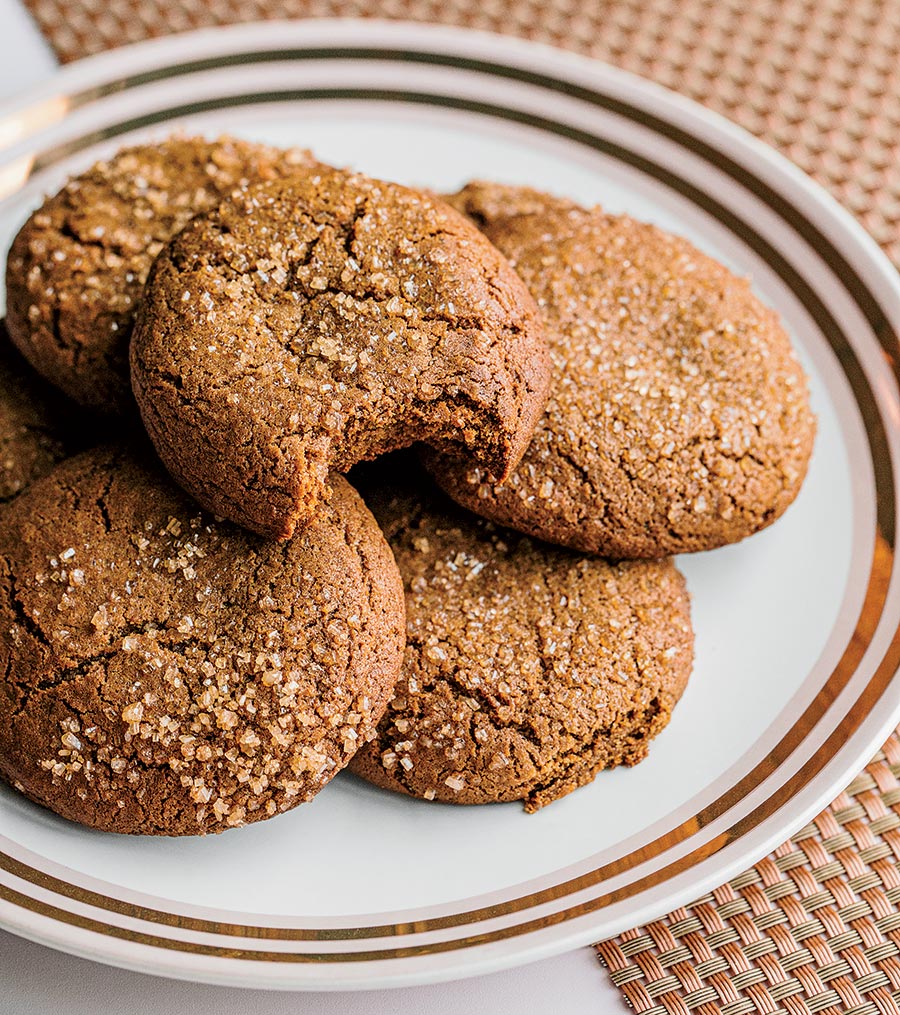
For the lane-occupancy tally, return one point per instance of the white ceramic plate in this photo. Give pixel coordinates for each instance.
(797, 628)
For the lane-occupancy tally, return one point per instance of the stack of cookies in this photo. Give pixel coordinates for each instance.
(204, 622)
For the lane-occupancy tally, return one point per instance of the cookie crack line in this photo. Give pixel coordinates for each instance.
(69, 232)
(350, 237)
(102, 507)
(487, 704)
(24, 619)
(66, 673)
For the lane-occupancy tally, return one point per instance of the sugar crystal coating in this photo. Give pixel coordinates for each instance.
(678, 417)
(165, 673)
(314, 322)
(528, 668)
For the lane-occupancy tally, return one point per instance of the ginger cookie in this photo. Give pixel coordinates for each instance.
(484, 202)
(311, 323)
(168, 674)
(678, 417)
(36, 425)
(77, 268)
(529, 668)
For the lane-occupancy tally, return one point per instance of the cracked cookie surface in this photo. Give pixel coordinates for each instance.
(77, 268)
(528, 668)
(163, 673)
(319, 321)
(36, 426)
(678, 416)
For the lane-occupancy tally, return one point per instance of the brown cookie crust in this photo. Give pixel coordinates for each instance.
(314, 322)
(77, 268)
(36, 426)
(528, 668)
(167, 674)
(485, 202)
(678, 417)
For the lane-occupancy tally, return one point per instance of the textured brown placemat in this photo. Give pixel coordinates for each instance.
(818, 79)
(815, 926)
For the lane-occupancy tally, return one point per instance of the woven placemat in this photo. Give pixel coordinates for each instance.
(814, 927)
(818, 79)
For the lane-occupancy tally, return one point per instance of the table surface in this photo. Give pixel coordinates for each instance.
(39, 981)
